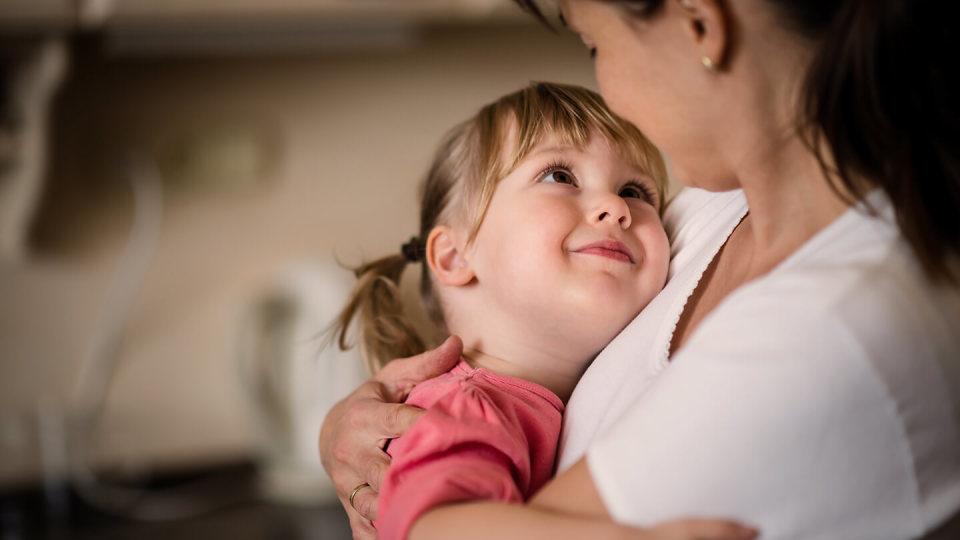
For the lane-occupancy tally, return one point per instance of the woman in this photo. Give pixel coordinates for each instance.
(801, 370)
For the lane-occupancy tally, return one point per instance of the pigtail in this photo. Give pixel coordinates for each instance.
(384, 329)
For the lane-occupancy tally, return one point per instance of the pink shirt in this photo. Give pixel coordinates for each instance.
(484, 437)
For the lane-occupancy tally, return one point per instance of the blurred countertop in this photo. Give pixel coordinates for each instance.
(230, 490)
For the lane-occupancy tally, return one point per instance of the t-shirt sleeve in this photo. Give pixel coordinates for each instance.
(774, 420)
(463, 448)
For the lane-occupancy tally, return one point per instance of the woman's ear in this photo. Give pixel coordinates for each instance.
(445, 256)
(707, 25)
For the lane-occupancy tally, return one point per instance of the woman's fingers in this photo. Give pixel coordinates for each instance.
(361, 527)
(360, 498)
(701, 529)
(355, 429)
(401, 375)
(365, 503)
(349, 441)
(391, 420)
(377, 469)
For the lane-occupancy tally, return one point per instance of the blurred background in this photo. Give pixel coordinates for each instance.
(178, 179)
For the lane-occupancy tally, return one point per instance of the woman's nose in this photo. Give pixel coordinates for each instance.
(612, 209)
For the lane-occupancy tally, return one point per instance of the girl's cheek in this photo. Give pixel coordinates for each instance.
(662, 247)
(654, 238)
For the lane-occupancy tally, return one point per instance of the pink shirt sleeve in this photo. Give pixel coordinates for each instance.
(464, 447)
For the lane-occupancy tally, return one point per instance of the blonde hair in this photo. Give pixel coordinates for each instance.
(470, 162)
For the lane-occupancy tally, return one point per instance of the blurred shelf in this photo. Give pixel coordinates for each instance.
(154, 11)
(153, 14)
(239, 27)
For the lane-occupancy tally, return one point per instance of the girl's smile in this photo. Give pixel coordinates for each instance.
(610, 249)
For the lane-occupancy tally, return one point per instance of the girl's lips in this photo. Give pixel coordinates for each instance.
(608, 248)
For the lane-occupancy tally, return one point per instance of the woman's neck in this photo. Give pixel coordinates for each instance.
(790, 201)
(789, 198)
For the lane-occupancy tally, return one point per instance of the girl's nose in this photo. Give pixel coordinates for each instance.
(612, 209)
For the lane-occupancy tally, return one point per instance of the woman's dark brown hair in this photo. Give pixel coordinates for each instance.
(880, 104)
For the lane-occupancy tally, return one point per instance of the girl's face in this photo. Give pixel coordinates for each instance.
(572, 243)
(649, 72)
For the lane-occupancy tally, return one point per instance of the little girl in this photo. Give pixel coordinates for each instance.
(540, 239)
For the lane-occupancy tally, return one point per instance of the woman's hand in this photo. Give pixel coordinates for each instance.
(356, 428)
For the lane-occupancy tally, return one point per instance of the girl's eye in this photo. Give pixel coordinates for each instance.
(559, 176)
(634, 190)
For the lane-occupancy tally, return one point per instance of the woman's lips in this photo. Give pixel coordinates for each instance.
(608, 248)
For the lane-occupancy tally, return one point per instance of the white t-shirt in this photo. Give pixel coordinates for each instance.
(819, 401)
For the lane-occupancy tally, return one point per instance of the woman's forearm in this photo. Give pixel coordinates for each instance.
(485, 520)
(569, 506)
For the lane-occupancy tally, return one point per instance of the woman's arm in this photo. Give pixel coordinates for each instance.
(505, 521)
(568, 507)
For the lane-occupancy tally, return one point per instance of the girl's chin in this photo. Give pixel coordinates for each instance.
(606, 294)
(593, 339)
(594, 325)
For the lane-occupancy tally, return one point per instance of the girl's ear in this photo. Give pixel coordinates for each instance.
(707, 26)
(445, 256)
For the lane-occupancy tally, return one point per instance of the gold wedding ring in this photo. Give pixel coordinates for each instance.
(354, 493)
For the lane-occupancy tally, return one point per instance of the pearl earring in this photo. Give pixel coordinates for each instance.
(708, 63)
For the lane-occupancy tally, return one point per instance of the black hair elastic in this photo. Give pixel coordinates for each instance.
(413, 250)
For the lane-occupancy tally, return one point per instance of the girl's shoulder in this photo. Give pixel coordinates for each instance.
(469, 408)
(467, 390)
